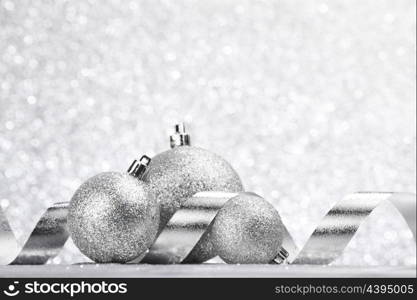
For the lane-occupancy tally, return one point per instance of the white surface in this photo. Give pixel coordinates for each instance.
(209, 270)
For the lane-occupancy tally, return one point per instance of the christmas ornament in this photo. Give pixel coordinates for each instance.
(177, 174)
(114, 217)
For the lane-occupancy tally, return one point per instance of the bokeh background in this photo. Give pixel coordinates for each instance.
(308, 100)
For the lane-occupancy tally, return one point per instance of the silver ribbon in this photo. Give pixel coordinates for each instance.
(44, 243)
(192, 221)
(338, 227)
(187, 227)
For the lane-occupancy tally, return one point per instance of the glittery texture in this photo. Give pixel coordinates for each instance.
(113, 217)
(308, 100)
(179, 173)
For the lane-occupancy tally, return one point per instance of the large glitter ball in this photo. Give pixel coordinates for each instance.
(179, 173)
(247, 230)
(113, 217)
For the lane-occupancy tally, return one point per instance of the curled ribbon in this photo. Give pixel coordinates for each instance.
(45, 241)
(188, 225)
(340, 224)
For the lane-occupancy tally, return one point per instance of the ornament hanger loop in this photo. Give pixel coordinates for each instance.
(180, 136)
(281, 256)
(138, 167)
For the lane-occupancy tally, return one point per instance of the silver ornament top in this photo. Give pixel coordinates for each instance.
(180, 136)
(138, 167)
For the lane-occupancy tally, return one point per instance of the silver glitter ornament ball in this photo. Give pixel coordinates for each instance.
(179, 173)
(248, 230)
(113, 217)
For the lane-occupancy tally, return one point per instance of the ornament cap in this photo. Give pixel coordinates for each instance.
(180, 136)
(138, 167)
(281, 256)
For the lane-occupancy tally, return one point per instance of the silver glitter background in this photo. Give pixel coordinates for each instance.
(308, 100)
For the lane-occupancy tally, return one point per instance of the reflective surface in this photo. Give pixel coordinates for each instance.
(205, 270)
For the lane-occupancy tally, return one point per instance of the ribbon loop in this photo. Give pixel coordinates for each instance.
(192, 221)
